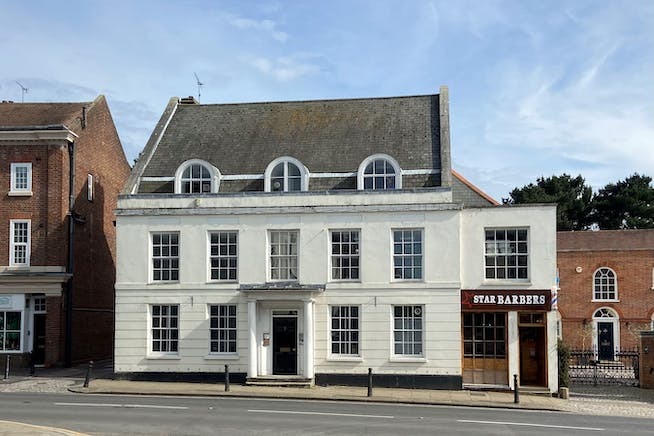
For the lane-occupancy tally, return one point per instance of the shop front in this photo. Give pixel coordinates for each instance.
(505, 333)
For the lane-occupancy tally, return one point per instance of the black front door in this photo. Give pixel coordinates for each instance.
(38, 351)
(605, 340)
(284, 345)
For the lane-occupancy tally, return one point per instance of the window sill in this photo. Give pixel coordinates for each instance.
(221, 357)
(408, 359)
(333, 358)
(163, 357)
(506, 282)
(20, 193)
(604, 301)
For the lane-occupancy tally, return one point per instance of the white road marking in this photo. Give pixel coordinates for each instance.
(295, 412)
(527, 424)
(127, 406)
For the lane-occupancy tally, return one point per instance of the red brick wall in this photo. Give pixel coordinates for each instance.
(633, 269)
(647, 361)
(98, 152)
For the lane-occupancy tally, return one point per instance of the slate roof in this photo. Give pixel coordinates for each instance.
(327, 136)
(605, 240)
(39, 115)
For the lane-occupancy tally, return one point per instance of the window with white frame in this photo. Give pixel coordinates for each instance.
(345, 254)
(223, 255)
(285, 174)
(196, 176)
(165, 257)
(283, 254)
(345, 330)
(379, 172)
(19, 246)
(21, 178)
(507, 253)
(39, 304)
(165, 328)
(407, 330)
(407, 254)
(222, 328)
(605, 285)
(89, 187)
(10, 325)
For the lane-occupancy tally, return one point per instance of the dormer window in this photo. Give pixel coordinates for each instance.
(286, 174)
(379, 172)
(196, 177)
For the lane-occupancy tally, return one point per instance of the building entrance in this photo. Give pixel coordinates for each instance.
(284, 344)
(533, 357)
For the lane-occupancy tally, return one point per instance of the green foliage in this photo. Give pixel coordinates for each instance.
(572, 196)
(564, 364)
(628, 204)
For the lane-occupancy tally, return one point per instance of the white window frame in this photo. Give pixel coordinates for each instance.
(345, 327)
(332, 257)
(288, 257)
(304, 174)
(214, 176)
(3, 330)
(402, 256)
(362, 168)
(498, 253)
(89, 187)
(14, 190)
(220, 257)
(404, 329)
(40, 304)
(227, 328)
(151, 353)
(170, 258)
(13, 244)
(598, 291)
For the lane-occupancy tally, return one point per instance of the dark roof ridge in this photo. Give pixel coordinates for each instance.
(307, 101)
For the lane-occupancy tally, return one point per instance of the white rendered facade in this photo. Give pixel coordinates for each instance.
(452, 255)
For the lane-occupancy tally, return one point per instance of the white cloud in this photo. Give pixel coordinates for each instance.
(267, 26)
(285, 68)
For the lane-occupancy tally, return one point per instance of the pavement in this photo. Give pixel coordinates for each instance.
(605, 400)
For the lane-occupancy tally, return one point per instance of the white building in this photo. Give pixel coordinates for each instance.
(314, 240)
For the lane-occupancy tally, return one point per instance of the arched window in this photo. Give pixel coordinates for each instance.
(605, 285)
(379, 172)
(196, 177)
(286, 174)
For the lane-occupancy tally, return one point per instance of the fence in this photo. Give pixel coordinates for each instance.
(586, 368)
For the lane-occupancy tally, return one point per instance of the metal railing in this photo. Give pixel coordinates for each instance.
(587, 368)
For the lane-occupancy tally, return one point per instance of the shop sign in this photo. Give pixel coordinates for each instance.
(502, 300)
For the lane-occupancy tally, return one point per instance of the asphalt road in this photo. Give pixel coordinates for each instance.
(146, 415)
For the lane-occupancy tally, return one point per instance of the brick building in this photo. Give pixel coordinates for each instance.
(62, 167)
(607, 288)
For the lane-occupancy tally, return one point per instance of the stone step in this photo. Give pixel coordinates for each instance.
(280, 381)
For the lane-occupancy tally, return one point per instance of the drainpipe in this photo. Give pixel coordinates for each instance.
(68, 341)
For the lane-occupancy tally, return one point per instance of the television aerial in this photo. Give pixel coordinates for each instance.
(23, 91)
(200, 85)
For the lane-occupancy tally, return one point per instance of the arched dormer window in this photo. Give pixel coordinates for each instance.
(196, 176)
(379, 172)
(286, 174)
(605, 284)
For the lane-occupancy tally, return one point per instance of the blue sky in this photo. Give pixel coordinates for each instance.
(536, 87)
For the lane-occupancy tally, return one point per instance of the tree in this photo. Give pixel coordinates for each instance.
(572, 196)
(628, 204)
